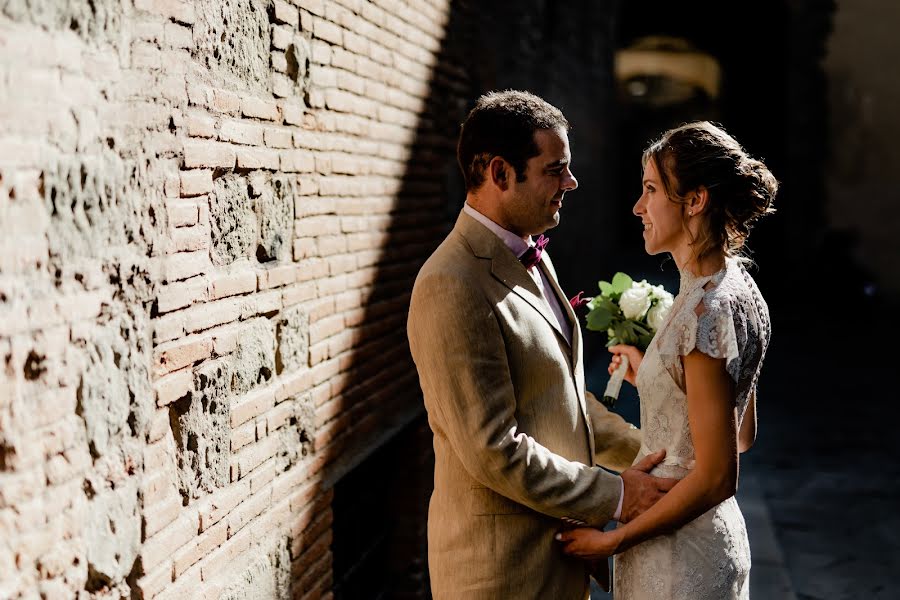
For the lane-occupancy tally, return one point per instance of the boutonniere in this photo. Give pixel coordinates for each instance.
(578, 300)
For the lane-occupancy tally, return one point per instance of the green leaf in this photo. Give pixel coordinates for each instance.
(599, 318)
(624, 333)
(606, 288)
(640, 329)
(621, 282)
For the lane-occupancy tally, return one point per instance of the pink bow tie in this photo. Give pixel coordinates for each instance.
(532, 256)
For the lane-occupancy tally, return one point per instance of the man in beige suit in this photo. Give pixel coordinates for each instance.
(498, 351)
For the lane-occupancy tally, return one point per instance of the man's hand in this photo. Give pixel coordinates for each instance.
(642, 490)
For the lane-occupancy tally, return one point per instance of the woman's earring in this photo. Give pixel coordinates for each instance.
(690, 213)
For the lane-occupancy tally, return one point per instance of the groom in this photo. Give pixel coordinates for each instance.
(498, 351)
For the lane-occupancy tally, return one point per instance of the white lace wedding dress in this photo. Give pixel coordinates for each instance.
(709, 558)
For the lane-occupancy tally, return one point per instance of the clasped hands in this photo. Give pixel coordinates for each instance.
(642, 491)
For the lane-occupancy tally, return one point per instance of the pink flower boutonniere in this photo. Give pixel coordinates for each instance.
(578, 300)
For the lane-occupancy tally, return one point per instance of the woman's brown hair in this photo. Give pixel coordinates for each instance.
(741, 189)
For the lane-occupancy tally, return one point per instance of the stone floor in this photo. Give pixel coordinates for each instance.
(820, 489)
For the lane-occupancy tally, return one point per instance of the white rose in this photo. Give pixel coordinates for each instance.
(658, 313)
(635, 301)
(660, 292)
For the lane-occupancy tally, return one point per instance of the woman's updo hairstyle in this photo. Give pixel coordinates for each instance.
(741, 189)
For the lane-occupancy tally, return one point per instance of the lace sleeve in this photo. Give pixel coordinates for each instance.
(717, 334)
(707, 323)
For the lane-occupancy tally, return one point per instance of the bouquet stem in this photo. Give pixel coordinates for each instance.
(611, 394)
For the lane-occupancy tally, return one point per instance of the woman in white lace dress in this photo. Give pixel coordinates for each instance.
(697, 381)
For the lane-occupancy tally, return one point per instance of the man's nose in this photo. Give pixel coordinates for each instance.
(569, 182)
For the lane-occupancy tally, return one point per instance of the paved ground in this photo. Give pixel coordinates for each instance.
(820, 489)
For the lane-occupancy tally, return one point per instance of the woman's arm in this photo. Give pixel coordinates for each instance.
(747, 435)
(710, 394)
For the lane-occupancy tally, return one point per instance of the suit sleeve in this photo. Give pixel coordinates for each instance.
(616, 441)
(459, 351)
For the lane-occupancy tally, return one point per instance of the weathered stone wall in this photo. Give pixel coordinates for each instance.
(195, 282)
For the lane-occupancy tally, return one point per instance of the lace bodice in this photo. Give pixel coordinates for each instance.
(724, 316)
(733, 323)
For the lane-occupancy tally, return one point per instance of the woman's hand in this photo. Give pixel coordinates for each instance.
(635, 357)
(591, 544)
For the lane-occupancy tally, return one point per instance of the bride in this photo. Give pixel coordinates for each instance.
(697, 381)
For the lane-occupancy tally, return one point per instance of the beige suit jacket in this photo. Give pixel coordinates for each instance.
(515, 433)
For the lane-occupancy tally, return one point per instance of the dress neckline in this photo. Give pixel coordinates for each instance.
(689, 281)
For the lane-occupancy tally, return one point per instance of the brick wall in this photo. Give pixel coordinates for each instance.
(211, 214)
(198, 305)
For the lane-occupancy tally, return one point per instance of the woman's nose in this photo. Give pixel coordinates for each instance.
(638, 207)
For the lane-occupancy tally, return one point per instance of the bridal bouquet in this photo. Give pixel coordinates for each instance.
(630, 312)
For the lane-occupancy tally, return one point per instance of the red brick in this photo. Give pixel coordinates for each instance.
(297, 161)
(261, 477)
(181, 294)
(243, 435)
(241, 132)
(293, 113)
(231, 284)
(260, 109)
(172, 356)
(208, 154)
(285, 13)
(199, 548)
(161, 515)
(225, 101)
(282, 36)
(304, 248)
(279, 415)
(247, 511)
(179, 36)
(156, 581)
(159, 426)
(186, 264)
(173, 386)
(292, 384)
(279, 62)
(276, 276)
(189, 239)
(254, 455)
(214, 508)
(225, 338)
(327, 31)
(276, 137)
(257, 158)
(252, 405)
(201, 317)
(162, 545)
(316, 7)
(226, 555)
(182, 214)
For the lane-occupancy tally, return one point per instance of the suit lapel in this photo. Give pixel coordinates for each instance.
(577, 364)
(505, 267)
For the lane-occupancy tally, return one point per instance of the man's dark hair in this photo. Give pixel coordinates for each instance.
(503, 124)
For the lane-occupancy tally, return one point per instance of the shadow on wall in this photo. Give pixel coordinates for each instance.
(382, 461)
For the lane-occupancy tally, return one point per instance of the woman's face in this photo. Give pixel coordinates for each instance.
(663, 220)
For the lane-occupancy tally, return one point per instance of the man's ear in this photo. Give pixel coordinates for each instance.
(498, 171)
(699, 201)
